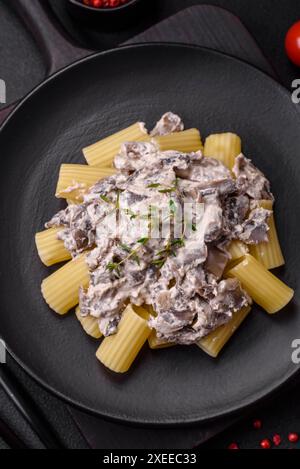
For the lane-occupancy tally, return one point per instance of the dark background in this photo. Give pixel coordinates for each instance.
(21, 66)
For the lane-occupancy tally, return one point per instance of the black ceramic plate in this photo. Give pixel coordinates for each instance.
(90, 100)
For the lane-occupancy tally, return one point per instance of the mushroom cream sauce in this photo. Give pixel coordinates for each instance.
(179, 277)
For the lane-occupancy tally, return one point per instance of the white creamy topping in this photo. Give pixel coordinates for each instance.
(178, 272)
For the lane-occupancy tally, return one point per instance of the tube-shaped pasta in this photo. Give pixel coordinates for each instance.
(103, 152)
(61, 289)
(266, 290)
(117, 352)
(269, 254)
(73, 202)
(213, 343)
(75, 179)
(237, 249)
(89, 324)
(156, 343)
(185, 141)
(50, 249)
(223, 147)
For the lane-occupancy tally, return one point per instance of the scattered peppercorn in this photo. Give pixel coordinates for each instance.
(104, 3)
(233, 446)
(265, 444)
(276, 439)
(293, 437)
(257, 424)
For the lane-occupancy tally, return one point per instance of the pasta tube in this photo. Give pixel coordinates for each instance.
(73, 202)
(266, 290)
(156, 343)
(89, 324)
(269, 254)
(61, 289)
(75, 179)
(103, 152)
(186, 141)
(237, 249)
(117, 352)
(50, 249)
(223, 147)
(213, 343)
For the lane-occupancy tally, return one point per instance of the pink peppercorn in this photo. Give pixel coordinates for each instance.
(265, 444)
(233, 446)
(293, 437)
(104, 3)
(276, 439)
(257, 424)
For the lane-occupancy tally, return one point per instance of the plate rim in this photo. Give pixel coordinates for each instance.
(247, 404)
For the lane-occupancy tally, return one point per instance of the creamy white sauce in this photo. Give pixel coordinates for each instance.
(179, 276)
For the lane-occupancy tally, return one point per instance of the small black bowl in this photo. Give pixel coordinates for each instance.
(107, 18)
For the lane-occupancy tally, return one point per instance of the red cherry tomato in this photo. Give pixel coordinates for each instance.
(292, 43)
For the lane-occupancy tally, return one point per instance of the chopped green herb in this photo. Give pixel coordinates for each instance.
(167, 191)
(136, 258)
(114, 267)
(159, 262)
(125, 247)
(153, 186)
(143, 241)
(106, 199)
(130, 212)
(175, 182)
(172, 206)
(178, 242)
(161, 256)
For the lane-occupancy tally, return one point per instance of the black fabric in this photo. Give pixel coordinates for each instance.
(21, 66)
(55, 411)
(267, 20)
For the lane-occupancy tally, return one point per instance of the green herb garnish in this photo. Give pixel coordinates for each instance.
(106, 199)
(153, 186)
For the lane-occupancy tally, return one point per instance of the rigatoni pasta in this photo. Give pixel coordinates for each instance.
(157, 343)
(266, 290)
(224, 147)
(73, 202)
(103, 152)
(269, 254)
(61, 289)
(118, 352)
(89, 324)
(213, 343)
(51, 249)
(75, 179)
(193, 282)
(237, 249)
(186, 141)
